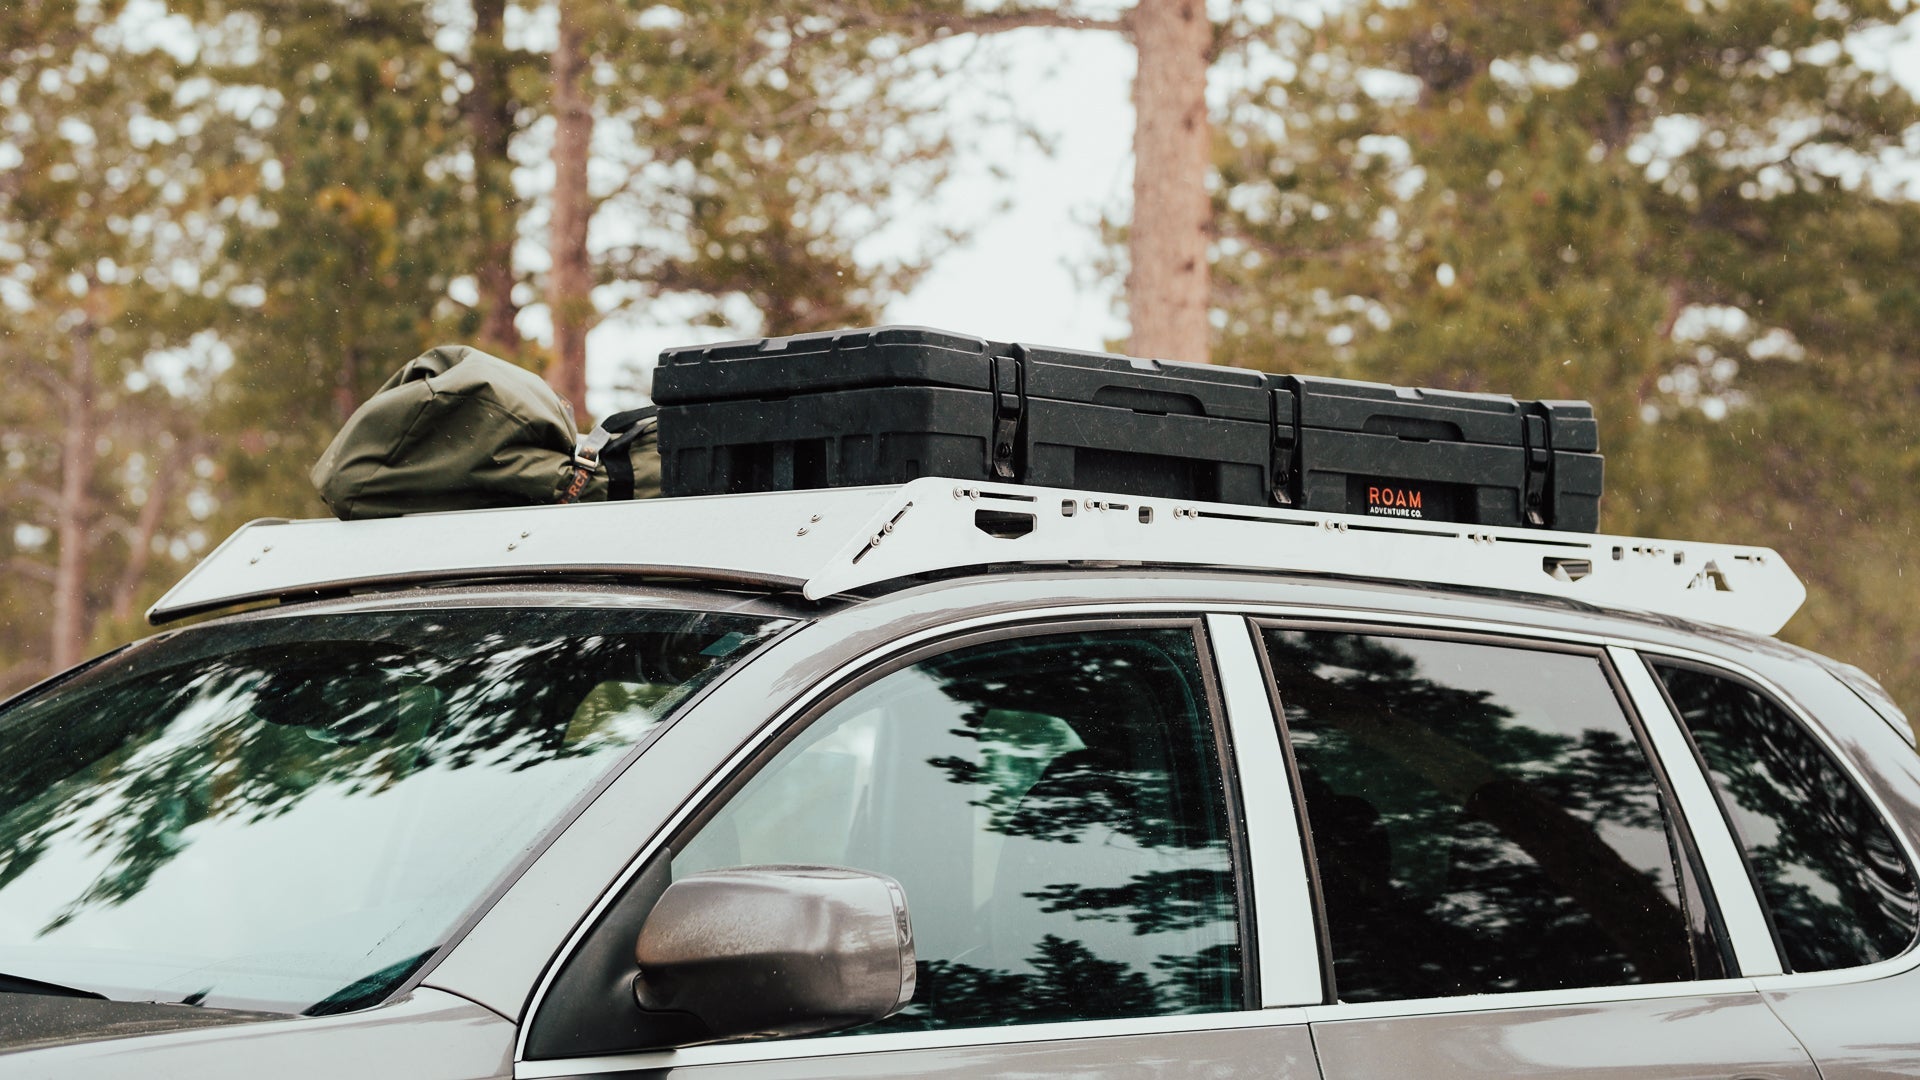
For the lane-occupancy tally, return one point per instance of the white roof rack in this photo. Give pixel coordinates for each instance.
(833, 540)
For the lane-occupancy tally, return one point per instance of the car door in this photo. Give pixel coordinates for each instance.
(1061, 806)
(1503, 889)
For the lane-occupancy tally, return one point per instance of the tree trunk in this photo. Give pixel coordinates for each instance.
(489, 111)
(145, 528)
(570, 284)
(78, 458)
(1167, 285)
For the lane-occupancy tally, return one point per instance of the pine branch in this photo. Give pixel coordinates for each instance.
(33, 367)
(26, 567)
(40, 493)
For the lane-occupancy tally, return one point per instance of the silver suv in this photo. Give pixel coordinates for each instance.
(959, 780)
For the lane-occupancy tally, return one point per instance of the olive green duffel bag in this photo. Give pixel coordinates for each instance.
(457, 429)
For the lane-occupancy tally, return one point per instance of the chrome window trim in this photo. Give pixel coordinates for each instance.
(1525, 999)
(1282, 899)
(775, 1050)
(1726, 868)
(952, 1038)
(1893, 965)
(1376, 617)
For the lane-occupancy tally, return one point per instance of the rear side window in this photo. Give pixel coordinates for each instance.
(1834, 880)
(1483, 818)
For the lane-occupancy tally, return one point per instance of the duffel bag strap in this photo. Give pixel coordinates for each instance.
(609, 442)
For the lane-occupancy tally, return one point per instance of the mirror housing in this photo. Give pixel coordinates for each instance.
(762, 951)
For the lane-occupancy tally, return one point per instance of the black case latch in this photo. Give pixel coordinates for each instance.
(1009, 410)
(1539, 453)
(1284, 407)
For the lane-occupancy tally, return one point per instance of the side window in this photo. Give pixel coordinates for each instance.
(1054, 809)
(1483, 818)
(1834, 880)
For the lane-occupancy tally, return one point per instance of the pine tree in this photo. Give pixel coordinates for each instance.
(570, 277)
(492, 112)
(1677, 211)
(1167, 276)
(103, 208)
(1169, 228)
(369, 208)
(752, 146)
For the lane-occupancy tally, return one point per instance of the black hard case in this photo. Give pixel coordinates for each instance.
(1482, 458)
(889, 404)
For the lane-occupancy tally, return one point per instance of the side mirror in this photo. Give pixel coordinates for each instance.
(759, 951)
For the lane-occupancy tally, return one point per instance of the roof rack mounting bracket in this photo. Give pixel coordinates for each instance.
(1538, 447)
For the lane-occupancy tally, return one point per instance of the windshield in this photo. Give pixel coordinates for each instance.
(293, 814)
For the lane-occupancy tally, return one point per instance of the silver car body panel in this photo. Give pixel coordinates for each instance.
(429, 1035)
(1285, 1028)
(1699, 1036)
(1856, 1030)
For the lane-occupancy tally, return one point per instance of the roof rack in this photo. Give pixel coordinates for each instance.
(833, 540)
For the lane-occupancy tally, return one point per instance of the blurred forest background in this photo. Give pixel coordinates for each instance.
(224, 222)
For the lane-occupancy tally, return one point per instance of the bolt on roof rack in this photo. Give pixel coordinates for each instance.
(830, 541)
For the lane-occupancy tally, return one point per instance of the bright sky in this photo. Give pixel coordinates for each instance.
(1023, 275)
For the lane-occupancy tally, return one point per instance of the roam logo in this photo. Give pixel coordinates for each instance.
(1394, 501)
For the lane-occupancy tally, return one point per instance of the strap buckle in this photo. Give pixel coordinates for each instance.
(1539, 465)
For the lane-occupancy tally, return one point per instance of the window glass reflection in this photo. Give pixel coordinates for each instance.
(1053, 809)
(290, 813)
(1835, 881)
(1483, 818)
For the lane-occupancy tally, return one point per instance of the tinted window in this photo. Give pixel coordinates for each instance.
(1835, 882)
(1053, 807)
(1483, 818)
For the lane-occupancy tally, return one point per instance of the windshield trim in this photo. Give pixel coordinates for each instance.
(33, 690)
